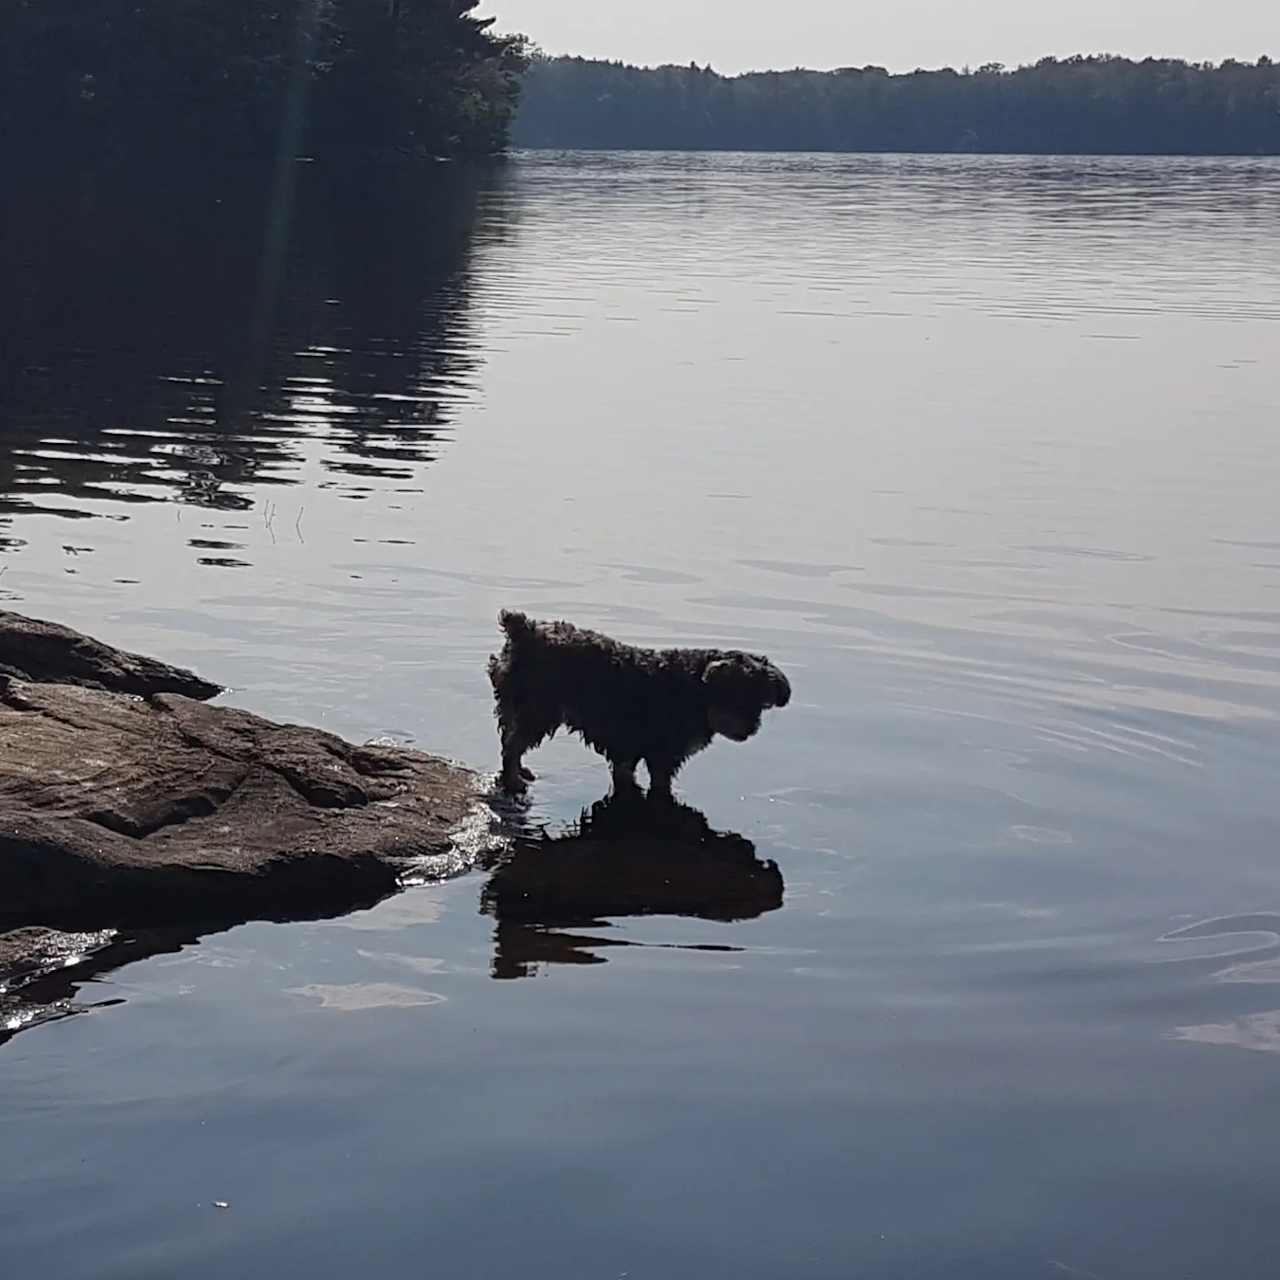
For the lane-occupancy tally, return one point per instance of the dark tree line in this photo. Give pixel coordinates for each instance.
(99, 78)
(1098, 104)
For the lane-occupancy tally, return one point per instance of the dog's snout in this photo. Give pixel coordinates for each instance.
(781, 689)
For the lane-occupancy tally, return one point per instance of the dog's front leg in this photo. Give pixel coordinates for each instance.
(624, 775)
(515, 777)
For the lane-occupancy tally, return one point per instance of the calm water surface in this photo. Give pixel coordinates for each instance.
(981, 451)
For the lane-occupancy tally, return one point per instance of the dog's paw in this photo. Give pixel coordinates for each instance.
(514, 784)
(527, 774)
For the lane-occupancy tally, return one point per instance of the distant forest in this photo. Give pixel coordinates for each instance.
(93, 80)
(1090, 105)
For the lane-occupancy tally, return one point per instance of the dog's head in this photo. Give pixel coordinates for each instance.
(740, 686)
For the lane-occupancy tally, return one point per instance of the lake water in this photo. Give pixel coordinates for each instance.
(982, 451)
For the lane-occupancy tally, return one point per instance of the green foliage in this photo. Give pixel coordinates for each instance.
(420, 76)
(1098, 104)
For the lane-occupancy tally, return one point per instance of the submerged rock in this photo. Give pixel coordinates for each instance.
(124, 803)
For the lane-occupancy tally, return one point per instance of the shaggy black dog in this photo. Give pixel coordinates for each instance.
(656, 705)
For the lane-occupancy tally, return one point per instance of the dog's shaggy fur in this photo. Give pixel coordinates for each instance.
(656, 705)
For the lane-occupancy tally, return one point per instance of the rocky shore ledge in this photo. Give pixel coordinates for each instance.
(127, 800)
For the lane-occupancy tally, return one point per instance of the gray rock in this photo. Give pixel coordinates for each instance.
(159, 809)
(44, 651)
(123, 810)
(41, 970)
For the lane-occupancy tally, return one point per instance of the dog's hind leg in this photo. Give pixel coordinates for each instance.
(661, 774)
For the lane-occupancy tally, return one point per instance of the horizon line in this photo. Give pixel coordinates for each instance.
(964, 69)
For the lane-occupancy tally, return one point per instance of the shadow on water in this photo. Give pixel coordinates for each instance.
(625, 857)
(183, 335)
(42, 971)
(42, 985)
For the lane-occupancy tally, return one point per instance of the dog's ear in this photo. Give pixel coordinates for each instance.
(747, 677)
(722, 675)
(716, 672)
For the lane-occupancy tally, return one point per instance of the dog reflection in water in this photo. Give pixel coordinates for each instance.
(627, 856)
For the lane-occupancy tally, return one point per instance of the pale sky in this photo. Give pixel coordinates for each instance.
(741, 35)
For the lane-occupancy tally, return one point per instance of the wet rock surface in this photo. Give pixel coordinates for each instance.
(34, 650)
(123, 802)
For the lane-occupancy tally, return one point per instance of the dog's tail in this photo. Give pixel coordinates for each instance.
(516, 625)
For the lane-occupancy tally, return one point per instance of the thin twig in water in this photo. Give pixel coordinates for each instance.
(297, 525)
